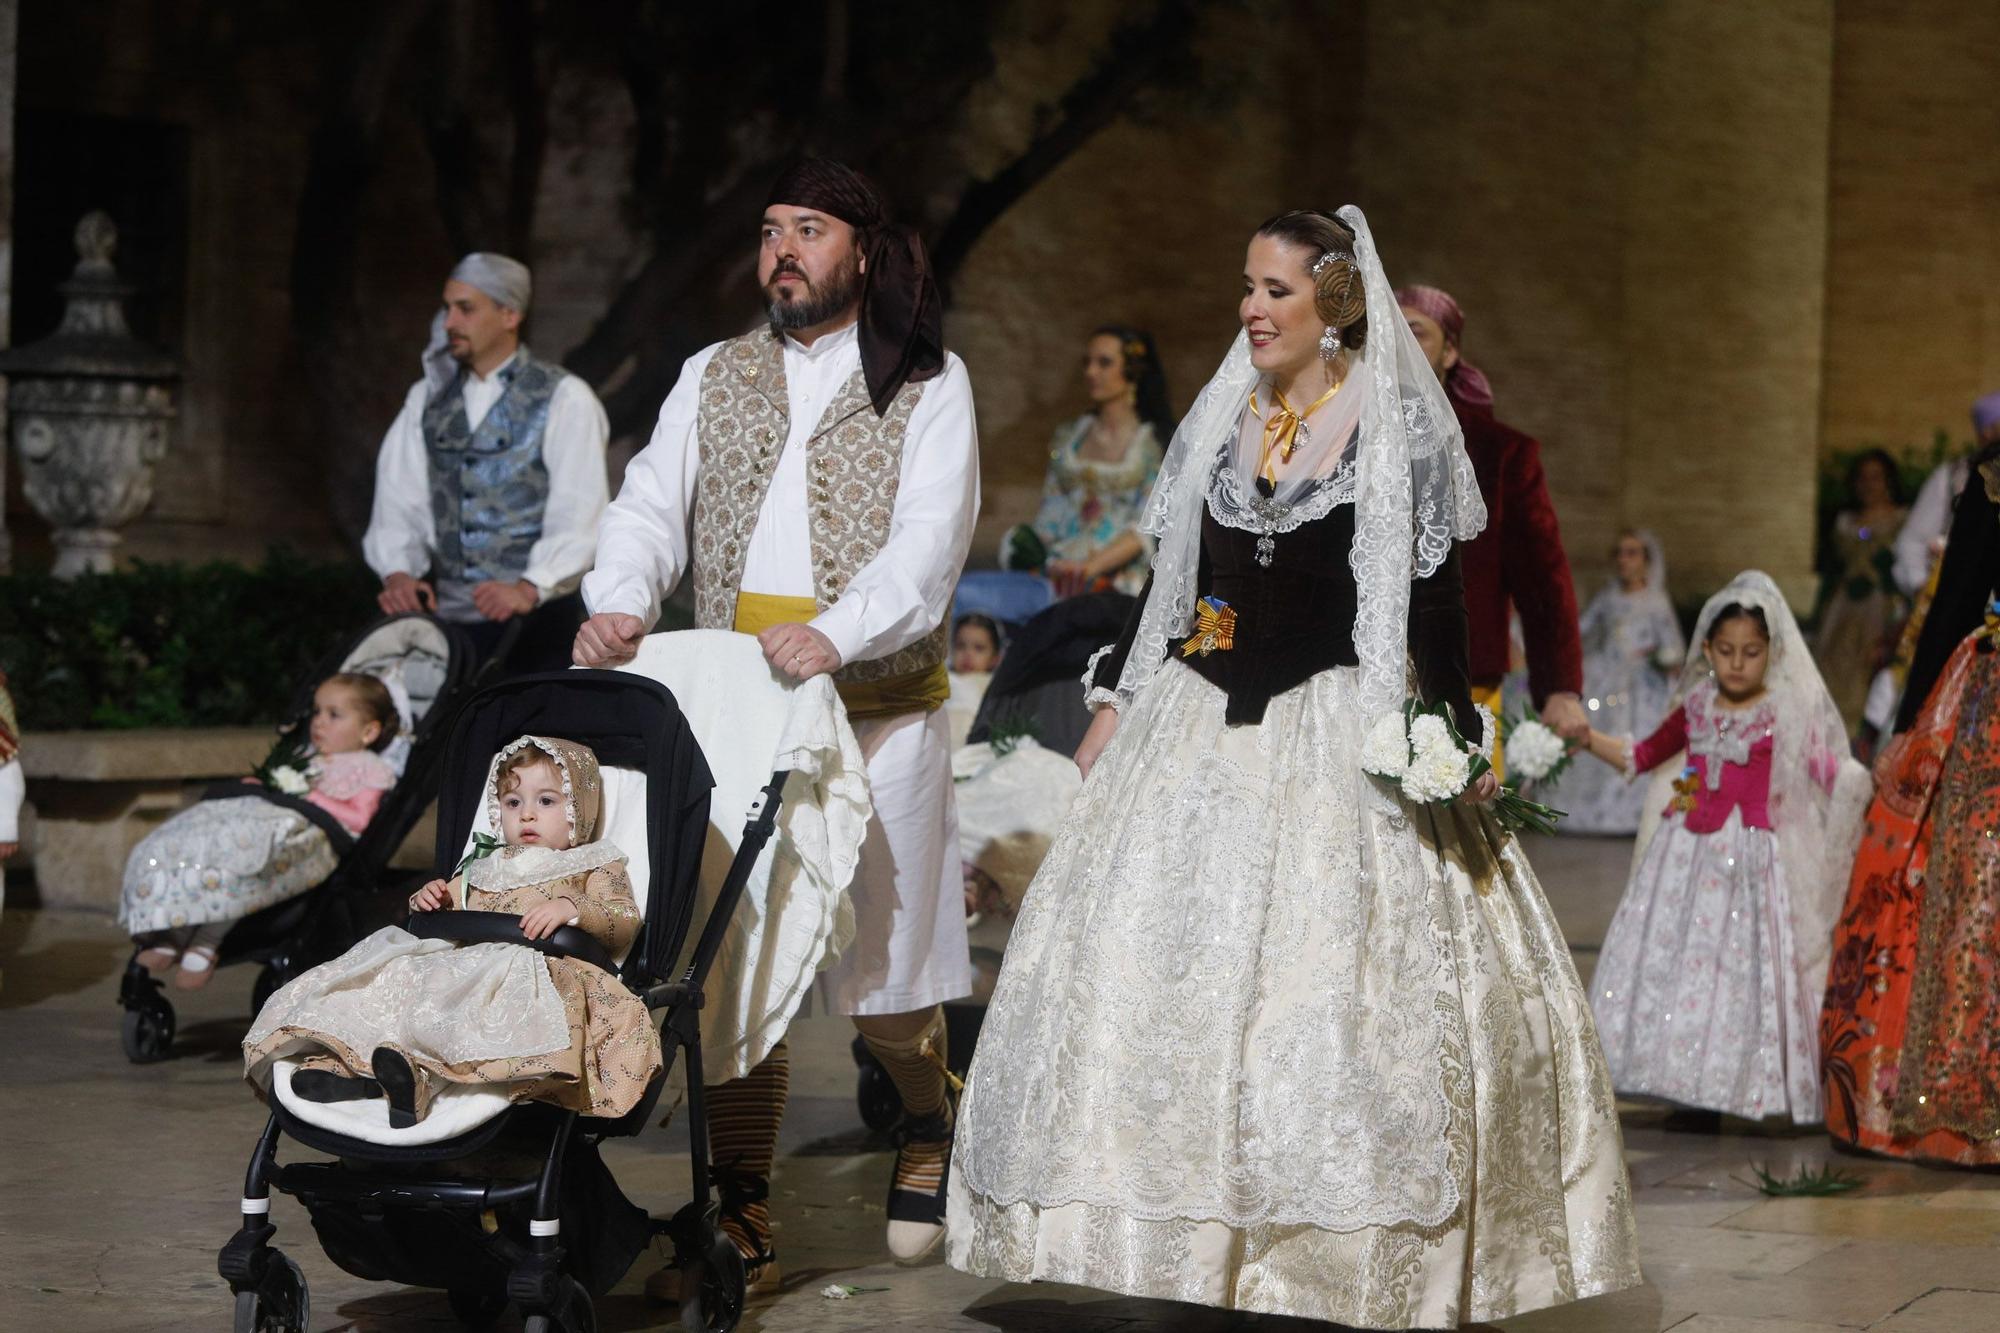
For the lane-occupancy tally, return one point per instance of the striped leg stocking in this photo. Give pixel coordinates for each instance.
(743, 1119)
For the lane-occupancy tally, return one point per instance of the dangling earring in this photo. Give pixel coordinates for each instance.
(1329, 343)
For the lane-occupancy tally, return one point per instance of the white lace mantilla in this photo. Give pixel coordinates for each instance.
(1253, 513)
(516, 867)
(1413, 490)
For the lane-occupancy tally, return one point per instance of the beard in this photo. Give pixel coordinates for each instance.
(819, 303)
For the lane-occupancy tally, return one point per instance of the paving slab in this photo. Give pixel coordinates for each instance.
(120, 1182)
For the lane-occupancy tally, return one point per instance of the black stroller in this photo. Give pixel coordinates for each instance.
(556, 1232)
(438, 670)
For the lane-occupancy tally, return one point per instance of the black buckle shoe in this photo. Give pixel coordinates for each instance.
(324, 1086)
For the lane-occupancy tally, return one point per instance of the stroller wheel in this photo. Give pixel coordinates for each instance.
(881, 1105)
(712, 1289)
(147, 1032)
(576, 1317)
(477, 1309)
(269, 978)
(280, 1304)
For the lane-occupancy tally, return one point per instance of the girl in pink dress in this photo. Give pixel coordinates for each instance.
(1708, 987)
(211, 865)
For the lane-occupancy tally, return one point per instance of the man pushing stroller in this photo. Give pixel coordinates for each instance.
(821, 477)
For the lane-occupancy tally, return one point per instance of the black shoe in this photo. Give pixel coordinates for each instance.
(323, 1085)
(399, 1085)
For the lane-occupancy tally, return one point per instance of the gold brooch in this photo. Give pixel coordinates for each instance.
(1214, 628)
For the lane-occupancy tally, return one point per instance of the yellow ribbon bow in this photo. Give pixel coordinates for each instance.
(1282, 426)
(1214, 628)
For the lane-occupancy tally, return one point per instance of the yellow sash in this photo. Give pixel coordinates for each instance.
(915, 691)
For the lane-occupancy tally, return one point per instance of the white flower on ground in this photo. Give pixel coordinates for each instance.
(1533, 750)
(290, 781)
(1437, 774)
(1429, 733)
(1386, 751)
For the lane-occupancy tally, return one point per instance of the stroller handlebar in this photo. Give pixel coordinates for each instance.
(505, 928)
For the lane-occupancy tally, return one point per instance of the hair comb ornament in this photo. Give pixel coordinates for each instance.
(1330, 257)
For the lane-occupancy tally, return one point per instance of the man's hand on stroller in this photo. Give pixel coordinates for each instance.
(432, 897)
(401, 593)
(499, 601)
(606, 639)
(800, 651)
(544, 920)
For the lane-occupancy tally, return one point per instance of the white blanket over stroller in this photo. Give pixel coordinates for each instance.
(221, 861)
(795, 917)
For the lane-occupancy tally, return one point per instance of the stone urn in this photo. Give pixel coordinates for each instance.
(92, 410)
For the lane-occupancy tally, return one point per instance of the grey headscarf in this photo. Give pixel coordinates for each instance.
(505, 280)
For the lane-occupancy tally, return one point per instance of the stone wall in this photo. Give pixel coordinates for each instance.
(1912, 329)
(1698, 244)
(250, 465)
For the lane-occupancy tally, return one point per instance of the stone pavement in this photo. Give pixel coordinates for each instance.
(119, 1182)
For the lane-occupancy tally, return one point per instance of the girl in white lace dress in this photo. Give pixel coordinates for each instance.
(1632, 652)
(1708, 987)
(1268, 1038)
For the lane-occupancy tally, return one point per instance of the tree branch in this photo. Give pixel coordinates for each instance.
(1130, 59)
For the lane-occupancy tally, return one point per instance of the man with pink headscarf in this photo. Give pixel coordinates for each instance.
(1518, 560)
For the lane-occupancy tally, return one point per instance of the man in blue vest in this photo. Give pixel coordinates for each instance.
(490, 482)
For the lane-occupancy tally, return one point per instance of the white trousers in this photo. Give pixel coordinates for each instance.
(909, 950)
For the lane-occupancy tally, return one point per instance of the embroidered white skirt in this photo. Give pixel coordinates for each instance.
(1696, 989)
(220, 861)
(1266, 1039)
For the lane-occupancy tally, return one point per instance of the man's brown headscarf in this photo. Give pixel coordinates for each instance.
(902, 320)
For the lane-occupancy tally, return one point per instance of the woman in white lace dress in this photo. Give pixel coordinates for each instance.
(1268, 1038)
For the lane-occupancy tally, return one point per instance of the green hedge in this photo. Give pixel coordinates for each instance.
(172, 645)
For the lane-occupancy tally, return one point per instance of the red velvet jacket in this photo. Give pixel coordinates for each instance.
(1519, 559)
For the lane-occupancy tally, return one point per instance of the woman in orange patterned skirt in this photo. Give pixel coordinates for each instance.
(1911, 1027)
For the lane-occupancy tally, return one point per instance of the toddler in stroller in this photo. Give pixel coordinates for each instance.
(198, 873)
(504, 1200)
(285, 872)
(390, 1018)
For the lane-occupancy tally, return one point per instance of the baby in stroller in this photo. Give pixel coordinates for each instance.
(400, 1017)
(192, 878)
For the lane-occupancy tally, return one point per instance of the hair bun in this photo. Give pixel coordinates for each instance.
(1338, 296)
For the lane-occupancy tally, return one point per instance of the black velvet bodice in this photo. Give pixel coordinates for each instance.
(1295, 619)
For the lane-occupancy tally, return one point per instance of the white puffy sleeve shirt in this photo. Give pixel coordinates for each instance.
(13, 791)
(895, 599)
(402, 532)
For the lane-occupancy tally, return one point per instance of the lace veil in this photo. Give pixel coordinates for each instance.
(1819, 793)
(1413, 486)
(1656, 561)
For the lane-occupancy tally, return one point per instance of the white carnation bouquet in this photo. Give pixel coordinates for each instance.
(287, 769)
(1534, 750)
(1423, 754)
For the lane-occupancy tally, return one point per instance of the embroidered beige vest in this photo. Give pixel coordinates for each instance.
(854, 462)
